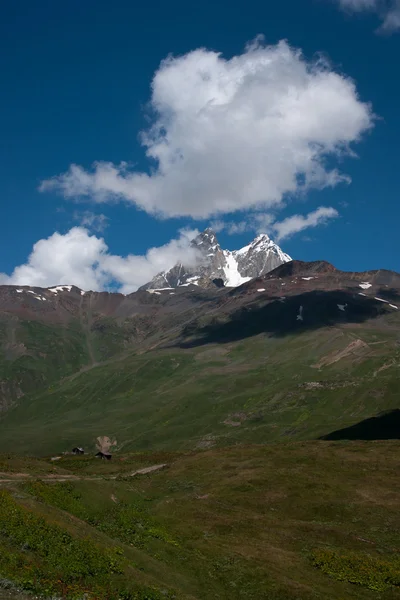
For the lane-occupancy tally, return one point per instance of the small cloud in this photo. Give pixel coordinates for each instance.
(263, 222)
(231, 227)
(288, 227)
(358, 5)
(257, 222)
(387, 10)
(92, 221)
(266, 223)
(234, 228)
(391, 20)
(218, 226)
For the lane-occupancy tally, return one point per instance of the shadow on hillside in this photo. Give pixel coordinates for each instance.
(383, 427)
(389, 294)
(303, 312)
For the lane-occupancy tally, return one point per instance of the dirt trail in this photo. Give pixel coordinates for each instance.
(23, 477)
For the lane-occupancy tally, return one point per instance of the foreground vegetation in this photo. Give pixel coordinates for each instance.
(305, 520)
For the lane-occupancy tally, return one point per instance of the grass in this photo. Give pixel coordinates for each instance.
(182, 399)
(34, 356)
(298, 520)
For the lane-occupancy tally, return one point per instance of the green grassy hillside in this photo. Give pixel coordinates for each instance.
(199, 368)
(35, 354)
(261, 388)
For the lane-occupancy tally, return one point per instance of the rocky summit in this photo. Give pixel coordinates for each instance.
(213, 265)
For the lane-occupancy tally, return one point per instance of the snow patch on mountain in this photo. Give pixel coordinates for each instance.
(60, 288)
(232, 276)
(193, 279)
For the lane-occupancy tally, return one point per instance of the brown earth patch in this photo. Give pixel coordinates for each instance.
(236, 419)
(149, 469)
(356, 348)
(379, 496)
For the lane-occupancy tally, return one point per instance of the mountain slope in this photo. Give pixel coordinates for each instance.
(299, 353)
(213, 263)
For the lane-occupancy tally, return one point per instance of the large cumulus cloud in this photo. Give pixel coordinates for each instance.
(233, 134)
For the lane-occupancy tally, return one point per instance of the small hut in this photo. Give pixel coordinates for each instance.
(104, 455)
(78, 450)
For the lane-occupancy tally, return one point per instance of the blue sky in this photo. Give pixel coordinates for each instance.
(77, 89)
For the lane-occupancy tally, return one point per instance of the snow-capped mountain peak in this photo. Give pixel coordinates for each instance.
(232, 267)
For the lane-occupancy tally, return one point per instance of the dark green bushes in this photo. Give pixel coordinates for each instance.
(362, 569)
(127, 522)
(46, 559)
(60, 495)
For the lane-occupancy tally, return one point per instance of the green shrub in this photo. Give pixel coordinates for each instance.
(130, 524)
(127, 522)
(363, 569)
(61, 495)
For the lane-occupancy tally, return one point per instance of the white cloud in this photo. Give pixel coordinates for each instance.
(232, 227)
(387, 10)
(258, 222)
(233, 135)
(72, 258)
(82, 259)
(357, 5)
(265, 223)
(296, 223)
(92, 221)
(391, 19)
